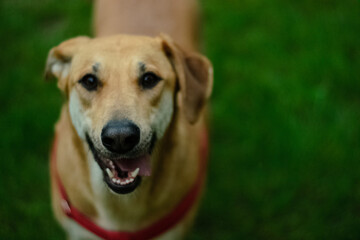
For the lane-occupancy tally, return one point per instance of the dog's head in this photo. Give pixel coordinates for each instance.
(122, 93)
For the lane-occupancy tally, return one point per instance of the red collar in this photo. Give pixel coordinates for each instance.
(157, 228)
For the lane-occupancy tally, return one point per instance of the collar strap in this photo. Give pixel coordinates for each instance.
(157, 228)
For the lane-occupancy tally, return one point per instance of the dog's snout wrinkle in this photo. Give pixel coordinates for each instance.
(120, 136)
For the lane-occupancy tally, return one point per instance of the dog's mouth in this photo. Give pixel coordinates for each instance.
(122, 175)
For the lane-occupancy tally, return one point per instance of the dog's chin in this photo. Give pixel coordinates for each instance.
(122, 175)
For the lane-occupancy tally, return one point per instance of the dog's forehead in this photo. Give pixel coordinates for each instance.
(123, 45)
(121, 49)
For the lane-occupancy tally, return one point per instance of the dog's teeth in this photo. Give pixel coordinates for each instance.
(118, 181)
(114, 180)
(109, 172)
(134, 173)
(111, 164)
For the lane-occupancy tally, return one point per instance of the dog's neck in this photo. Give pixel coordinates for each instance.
(174, 171)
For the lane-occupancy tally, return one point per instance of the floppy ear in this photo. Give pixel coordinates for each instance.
(195, 78)
(59, 60)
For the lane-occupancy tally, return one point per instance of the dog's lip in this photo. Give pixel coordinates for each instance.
(123, 189)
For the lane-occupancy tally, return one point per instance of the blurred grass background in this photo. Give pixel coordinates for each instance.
(285, 117)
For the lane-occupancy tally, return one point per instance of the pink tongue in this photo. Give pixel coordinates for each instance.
(129, 165)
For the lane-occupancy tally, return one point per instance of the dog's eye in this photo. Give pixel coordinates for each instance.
(90, 82)
(149, 80)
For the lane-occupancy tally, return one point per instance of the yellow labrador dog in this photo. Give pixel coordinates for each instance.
(125, 161)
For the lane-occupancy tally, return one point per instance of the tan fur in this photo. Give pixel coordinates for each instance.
(179, 19)
(176, 155)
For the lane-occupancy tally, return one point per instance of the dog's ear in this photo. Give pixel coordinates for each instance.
(59, 60)
(195, 78)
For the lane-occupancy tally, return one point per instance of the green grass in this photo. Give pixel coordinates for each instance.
(285, 139)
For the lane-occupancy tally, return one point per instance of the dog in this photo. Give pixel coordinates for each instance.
(125, 159)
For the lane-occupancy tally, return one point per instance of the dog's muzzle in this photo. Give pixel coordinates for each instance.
(126, 160)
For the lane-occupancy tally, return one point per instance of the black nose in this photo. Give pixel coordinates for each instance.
(120, 136)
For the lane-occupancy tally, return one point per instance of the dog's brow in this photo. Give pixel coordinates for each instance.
(95, 67)
(142, 67)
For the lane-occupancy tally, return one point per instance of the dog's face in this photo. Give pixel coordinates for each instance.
(121, 94)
